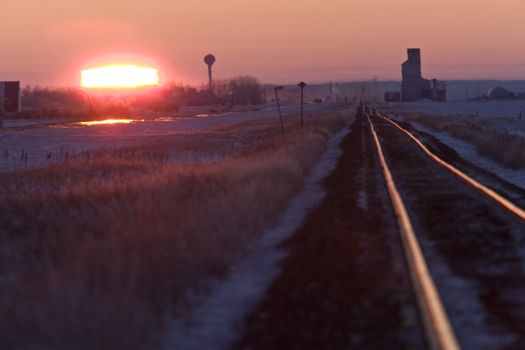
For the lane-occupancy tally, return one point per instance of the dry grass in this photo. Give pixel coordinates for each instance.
(94, 253)
(502, 146)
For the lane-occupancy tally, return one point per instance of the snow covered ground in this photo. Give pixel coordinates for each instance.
(38, 140)
(216, 322)
(498, 115)
(20, 123)
(472, 108)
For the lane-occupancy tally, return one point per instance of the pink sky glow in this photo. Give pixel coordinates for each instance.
(50, 42)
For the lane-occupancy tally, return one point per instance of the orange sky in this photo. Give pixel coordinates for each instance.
(48, 42)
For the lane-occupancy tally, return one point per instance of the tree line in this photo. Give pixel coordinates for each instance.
(48, 102)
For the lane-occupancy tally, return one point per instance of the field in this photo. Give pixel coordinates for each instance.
(47, 142)
(100, 247)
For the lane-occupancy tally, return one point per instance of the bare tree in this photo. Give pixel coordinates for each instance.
(245, 90)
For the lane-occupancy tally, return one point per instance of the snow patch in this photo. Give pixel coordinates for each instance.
(490, 108)
(219, 320)
(20, 123)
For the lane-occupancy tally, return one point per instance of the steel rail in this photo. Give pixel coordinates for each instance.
(504, 202)
(439, 332)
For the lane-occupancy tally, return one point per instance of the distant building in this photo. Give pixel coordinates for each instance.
(10, 99)
(414, 86)
(500, 93)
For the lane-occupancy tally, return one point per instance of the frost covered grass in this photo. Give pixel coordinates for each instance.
(504, 145)
(95, 253)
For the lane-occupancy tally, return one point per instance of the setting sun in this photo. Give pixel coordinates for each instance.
(110, 122)
(119, 76)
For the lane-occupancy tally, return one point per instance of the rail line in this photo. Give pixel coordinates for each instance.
(504, 202)
(439, 332)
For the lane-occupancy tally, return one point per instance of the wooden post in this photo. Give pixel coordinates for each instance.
(302, 84)
(279, 106)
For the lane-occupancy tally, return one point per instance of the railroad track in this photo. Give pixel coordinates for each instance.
(504, 202)
(437, 324)
(429, 260)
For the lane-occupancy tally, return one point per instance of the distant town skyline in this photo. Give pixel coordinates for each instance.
(48, 43)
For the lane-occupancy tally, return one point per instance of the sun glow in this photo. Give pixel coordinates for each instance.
(110, 122)
(119, 76)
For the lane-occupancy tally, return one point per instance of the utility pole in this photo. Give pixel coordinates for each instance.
(302, 84)
(277, 88)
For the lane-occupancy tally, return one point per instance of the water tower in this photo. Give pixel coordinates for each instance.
(209, 60)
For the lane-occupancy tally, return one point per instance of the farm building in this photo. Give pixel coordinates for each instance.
(500, 93)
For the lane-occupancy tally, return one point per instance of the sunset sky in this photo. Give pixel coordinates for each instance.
(49, 42)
